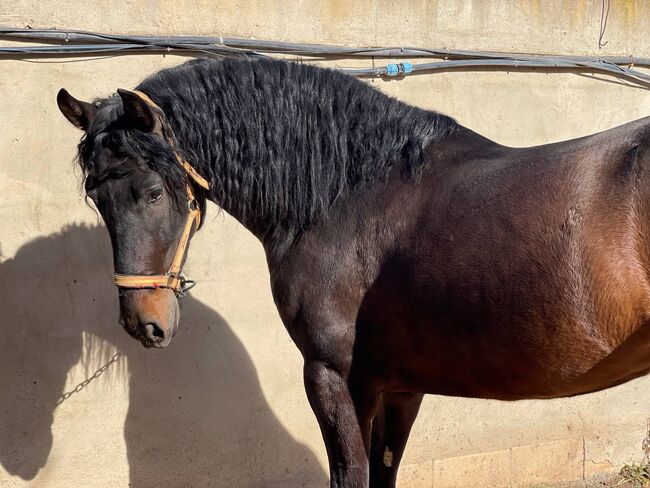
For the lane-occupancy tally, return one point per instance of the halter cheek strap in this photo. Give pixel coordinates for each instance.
(172, 278)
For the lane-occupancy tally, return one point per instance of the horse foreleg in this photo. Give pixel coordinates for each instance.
(391, 426)
(344, 423)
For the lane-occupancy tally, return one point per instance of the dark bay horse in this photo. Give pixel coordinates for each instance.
(408, 254)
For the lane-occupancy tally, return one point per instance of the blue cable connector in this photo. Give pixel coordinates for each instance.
(397, 69)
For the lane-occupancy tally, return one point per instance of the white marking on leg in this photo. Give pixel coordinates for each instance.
(388, 457)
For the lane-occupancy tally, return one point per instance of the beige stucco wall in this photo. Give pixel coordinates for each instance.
(224, 405)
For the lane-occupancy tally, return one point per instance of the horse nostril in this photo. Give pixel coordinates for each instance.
(154, 332)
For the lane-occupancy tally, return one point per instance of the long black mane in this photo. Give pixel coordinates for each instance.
(279, 141)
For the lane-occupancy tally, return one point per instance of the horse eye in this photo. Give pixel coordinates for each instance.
(154, 195)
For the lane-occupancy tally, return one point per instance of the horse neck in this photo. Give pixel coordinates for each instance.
(233, 181)
(277, 171)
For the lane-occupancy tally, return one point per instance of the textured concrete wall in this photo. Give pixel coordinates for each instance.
(224, 405)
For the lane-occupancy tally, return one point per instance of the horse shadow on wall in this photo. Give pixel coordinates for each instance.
(196, 414)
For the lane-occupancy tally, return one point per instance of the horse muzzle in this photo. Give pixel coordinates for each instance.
(150, 315)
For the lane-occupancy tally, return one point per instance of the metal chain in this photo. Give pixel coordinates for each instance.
(64, 396)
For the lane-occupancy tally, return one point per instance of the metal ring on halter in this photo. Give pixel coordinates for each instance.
(185, 286)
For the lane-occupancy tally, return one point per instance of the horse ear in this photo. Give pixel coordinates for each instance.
(138, 112)
(80, 114)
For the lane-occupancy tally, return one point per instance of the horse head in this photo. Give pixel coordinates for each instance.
(148, 201)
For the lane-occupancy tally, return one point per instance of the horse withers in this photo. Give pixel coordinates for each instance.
(407, 254)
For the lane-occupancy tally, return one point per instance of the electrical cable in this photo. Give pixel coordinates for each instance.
(85, 43)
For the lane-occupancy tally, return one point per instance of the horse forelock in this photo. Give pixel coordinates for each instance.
(108, 144)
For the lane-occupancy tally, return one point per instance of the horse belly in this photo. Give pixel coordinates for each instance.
(475, 376)
(441, 365)
(415, 342)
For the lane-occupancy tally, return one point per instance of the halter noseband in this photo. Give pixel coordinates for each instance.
(172, 279)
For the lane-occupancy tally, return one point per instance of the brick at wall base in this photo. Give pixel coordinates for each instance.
(554, 463)
(547, 462)
(416, 475)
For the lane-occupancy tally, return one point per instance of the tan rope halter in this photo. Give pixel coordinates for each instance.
(172, 278)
